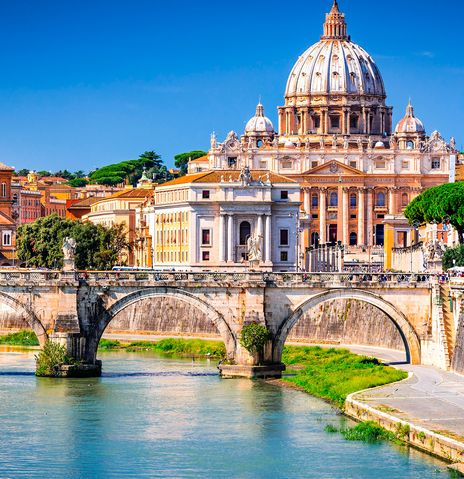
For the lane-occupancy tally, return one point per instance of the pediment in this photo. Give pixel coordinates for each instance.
(334, 168)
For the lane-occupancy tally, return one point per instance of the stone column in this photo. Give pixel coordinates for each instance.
(340, 213)
(326, 121)
(222, 240)
(361, 217)
(322, 215)
(346, 216)
(370, 231)
(268, 246)
(307, 200)
(230, 239)
(391, 201)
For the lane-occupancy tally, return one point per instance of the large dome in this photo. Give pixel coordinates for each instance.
(335, 65)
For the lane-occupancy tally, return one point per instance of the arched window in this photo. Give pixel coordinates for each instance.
(333, 199)
(353, 200)
(404, 199)
(381, 198)
(259, 143)
(245, 232)
(3, 189)
(353, 239)
(410, 145)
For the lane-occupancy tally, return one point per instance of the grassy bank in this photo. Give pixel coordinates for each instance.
(333, 374)
(170, 347)
(21, 338)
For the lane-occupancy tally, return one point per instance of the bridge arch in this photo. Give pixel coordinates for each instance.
(27, 314)
(216, 318)
(406, 330)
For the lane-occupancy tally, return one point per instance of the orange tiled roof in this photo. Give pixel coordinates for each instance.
(6, 220)
(202, 159)
(86, 202)
(225, 175)
(4, 167)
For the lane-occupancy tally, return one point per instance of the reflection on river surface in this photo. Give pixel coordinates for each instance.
(151, 417)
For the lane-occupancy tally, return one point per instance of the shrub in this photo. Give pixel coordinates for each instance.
(50, 359)
(367, 431)
(253, 338)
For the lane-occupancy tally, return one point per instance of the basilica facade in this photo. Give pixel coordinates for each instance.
(335, 137)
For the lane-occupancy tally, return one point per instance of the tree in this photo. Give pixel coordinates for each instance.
(23, 172)
(78, 182)
(131, 170)
(453, 257)
(253, 338)
(437, 203)
(181, 160)
(40, 243)
(44, 173)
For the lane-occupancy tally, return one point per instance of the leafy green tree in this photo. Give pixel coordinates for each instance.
(453, 257)
(78, 182)
(253, 338)
(44, 173)
(131, 170)
(181, 160)
(23, 172)
(437, 203)
(39, 244)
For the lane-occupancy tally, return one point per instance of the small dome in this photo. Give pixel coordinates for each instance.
(379, 144)
(289, 144)
(409, 123)
(259, 124)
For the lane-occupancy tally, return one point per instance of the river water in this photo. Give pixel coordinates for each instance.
(151, 417)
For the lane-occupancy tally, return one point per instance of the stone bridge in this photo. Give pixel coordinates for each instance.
(75, 308)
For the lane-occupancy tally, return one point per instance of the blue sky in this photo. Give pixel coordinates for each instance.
(90, 82)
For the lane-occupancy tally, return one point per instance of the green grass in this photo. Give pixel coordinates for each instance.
(170, 347)
(333, 374)
(21, 338)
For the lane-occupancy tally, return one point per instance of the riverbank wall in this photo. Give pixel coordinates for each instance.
(421, 438)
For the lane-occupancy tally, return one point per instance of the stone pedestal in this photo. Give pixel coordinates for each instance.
(230, 371)
(81, 370)
(68, 265)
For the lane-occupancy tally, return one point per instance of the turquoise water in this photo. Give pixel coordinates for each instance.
(150, 417)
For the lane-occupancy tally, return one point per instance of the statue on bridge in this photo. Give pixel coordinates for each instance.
(69, 252)
(255, 255)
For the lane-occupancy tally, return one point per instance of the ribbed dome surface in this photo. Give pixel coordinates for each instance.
(259, 123)
(409, 123)
(335, 66)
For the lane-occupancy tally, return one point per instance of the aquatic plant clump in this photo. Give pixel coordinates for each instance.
(50, 359)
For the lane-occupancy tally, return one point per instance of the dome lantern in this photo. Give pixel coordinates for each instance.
(335, 25)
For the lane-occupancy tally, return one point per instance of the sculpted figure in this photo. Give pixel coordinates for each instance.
(254, 249)
(69, 248)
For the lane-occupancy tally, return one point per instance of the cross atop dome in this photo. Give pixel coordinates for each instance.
(335, 25)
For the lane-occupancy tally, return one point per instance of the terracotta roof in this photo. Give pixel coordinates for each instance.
(4, 167)
(219, 176)
(132, 193)
(202, 159)
(84, 203)
(6, 220)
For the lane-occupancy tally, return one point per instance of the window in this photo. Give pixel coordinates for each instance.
(353, 217)
(7, 238)
(263, 164)
(436, 163)
(284, 195)
(404, 199)
(205, 194)
(3, 189)
(353, 200)
(405, 165)
(381, 164)
(353, 239)
(354, 121)
(314, 201)
(15, 199)
(333, 199)
(205, 255)
(231, 161)
(245, 232)
(284, 256)
(206, 237)
(410, 145)
(381, 199)
(317, 121)
(287, 165)
(315, 217)
(314, 164)
(315, 239)
(335, 121)
(353, 164)
(284, 237)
